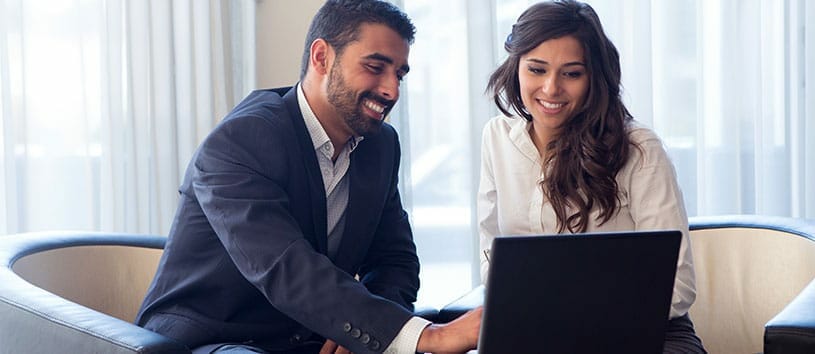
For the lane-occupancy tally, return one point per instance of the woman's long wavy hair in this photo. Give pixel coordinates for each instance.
(582, 163)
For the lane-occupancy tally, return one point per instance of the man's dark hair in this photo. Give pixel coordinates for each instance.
(338, 22)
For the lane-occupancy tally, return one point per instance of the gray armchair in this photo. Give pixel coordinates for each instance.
(79, 292)
(754, 279)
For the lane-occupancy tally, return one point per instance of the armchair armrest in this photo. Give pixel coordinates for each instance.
(429, 313)
(34, 320)
(793, 329)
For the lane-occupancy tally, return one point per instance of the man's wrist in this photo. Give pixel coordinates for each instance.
(406, 341)
(429, 339)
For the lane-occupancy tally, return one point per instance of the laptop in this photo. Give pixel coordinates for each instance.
(585, 293)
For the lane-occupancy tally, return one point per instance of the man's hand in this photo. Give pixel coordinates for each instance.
(458, 336)
(333, 348)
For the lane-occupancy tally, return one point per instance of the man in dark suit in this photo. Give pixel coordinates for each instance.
(290, 235)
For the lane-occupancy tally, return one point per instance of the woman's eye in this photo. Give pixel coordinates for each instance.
(536, 70)
(573, 74)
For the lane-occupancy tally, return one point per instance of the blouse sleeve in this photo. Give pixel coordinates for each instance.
(486, 202)
(656, 203)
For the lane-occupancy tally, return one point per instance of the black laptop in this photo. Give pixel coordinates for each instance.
(585, 293)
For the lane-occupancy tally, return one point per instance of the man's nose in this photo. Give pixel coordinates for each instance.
(389, 87)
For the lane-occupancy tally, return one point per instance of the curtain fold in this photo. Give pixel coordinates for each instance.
(104, 103)
(806, 108)
(7, 167)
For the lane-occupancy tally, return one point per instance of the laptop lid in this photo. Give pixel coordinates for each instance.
(585, 293)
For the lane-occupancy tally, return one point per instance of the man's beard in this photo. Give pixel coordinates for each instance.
(349, 106)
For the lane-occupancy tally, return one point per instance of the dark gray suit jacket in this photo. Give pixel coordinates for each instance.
(246, 260)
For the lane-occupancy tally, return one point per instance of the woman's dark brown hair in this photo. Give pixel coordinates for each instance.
(582, 163)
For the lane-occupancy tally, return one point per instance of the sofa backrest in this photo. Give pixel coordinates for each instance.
(109, 279)
(744, 277)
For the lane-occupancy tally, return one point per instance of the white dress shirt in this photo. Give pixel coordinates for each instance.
(333, 172)
(511, 199)
(335, 181)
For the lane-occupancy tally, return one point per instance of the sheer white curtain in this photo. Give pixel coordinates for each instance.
(103, 102)
(722, 82)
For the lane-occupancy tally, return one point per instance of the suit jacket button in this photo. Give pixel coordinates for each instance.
(346, 327)
(365, 339)
(295, 339)
(356, 333)
(375, 344)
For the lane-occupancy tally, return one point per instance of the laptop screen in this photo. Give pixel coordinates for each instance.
(584, 293)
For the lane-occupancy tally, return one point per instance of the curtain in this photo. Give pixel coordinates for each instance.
(103, 102)
(722, 82)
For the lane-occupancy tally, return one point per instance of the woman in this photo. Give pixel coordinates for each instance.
(566, 155)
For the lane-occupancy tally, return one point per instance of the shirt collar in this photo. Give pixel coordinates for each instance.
(318, 135)
(519, 134)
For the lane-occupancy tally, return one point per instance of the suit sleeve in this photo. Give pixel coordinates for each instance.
(241, 172)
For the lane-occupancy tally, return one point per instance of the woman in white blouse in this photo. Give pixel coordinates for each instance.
(566, 156)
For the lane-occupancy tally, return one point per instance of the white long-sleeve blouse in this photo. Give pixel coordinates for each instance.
(511, 200)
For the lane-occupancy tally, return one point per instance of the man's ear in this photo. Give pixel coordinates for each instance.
(320, 56)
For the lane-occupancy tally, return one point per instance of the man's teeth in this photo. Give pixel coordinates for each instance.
(550, 105)
(378, 108)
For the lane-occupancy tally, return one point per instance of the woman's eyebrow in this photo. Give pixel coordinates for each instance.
(541, 61)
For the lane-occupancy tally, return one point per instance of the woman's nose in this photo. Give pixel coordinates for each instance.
(551, 86)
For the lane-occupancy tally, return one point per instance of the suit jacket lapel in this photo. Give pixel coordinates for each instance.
(364, 179)
(312, 168)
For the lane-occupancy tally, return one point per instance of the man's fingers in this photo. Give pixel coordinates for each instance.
(329, 347)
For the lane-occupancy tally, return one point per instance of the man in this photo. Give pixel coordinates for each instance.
(292, 196)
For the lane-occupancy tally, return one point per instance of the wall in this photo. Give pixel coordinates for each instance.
(281, 31)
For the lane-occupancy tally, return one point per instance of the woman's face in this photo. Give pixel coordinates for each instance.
(554, 82)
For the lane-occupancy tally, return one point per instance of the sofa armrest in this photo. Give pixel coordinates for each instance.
(63, 327)
(429, 313)
(793, 329)
(33, 320)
